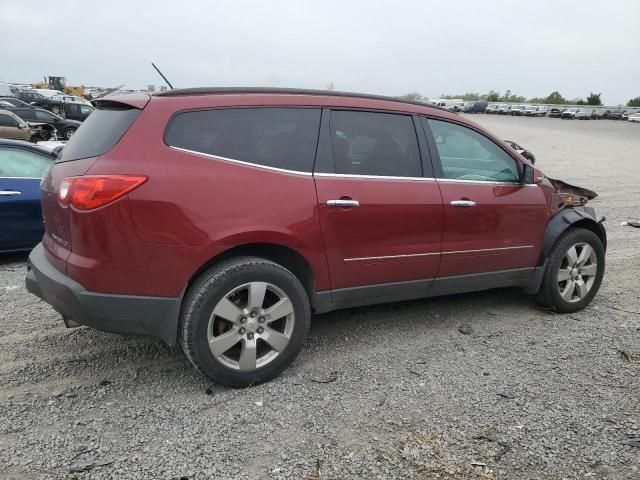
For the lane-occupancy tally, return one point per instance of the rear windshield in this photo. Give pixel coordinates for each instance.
(98, 133)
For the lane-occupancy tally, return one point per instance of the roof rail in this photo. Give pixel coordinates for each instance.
(285, 91)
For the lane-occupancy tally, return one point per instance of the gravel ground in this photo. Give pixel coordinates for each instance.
(476, 386)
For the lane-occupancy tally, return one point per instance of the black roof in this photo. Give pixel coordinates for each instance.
(179, 92)
(26, 146)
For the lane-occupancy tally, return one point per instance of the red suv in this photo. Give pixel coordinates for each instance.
(223, 218)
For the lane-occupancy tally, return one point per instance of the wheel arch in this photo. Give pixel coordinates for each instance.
(283, 255)
(581, 217)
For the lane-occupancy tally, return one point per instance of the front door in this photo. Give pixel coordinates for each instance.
(9, 128)
(381, 218)
(492, 222)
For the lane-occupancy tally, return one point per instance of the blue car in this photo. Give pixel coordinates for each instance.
(22, 166)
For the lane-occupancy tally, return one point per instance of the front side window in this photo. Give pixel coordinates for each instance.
(371, 143)
(85, 109)
(44, 116)
(467, 155)
(274, 137)
(7, 121)
(15, 162)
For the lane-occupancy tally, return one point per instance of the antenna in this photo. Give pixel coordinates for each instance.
(163, 77)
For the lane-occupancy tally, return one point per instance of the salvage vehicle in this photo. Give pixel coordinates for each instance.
(517, 110)
(22, 166)
(615, 114)
(582, 115)
(569, 113)
(222, 218)
(555, 113)
(29, 96)
(69, 110)
(503, 109)
(492, 108)
(634, 117)
(475, 106)
(14, 102)
(13, 127)
(533, 111)
(65, 127)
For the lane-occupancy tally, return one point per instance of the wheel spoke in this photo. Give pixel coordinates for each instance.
(572, 256)
(248, 354)
(280, 309)
(275, 339)
(564, 274)
(567, 293)
(589, 270)
(257, 291)
(220, 344)
(581, 288)
(585, 254)
(227, 310)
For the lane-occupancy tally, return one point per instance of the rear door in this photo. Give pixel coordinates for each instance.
(381, 218)
(20, 214)
(492, 222)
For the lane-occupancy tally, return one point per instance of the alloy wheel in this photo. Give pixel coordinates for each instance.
(577, 272)
(250, 326)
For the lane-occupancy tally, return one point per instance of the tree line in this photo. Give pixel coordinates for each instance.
(554, 98)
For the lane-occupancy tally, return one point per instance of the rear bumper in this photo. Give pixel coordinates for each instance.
(153, 316)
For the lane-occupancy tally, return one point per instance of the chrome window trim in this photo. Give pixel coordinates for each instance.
(21, 178)
(385, 257)
(484, 182)
(241, 162)
(449, 252)
(382, 177)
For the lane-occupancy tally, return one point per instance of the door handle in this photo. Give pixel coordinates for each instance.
(9, 193)
(343, 203)
(463, 203)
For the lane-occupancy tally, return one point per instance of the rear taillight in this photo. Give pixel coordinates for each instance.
(93, 191)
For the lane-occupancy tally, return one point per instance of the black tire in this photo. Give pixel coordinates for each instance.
(549, 295)
(68, 133)
(210, 288)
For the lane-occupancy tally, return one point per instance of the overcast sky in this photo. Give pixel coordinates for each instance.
(385, 47)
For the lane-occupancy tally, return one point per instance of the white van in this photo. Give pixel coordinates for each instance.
(8, 90)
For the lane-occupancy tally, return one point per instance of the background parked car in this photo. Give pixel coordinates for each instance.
(475, 106)
(22, 166)
(29, 96)
(13, 127)
(492, 108)
(69, 110)
(533, 111)
(13, 102)
(555, 113)
(615, 114)
(634, 117)
(517, 110)
(503, 109)
(65, 128)
(569, 113)
(582, 115)
(625, 115)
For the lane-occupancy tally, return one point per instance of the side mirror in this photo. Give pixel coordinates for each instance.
(531, 175)
(23, 126)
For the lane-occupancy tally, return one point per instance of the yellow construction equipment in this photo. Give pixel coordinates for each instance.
(59, 83)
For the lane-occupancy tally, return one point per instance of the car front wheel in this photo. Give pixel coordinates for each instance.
(244, 321)
(574, 271)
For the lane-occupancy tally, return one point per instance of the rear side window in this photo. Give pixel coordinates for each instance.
(274, 137)
(371, 143)
(99, 133)
(18, 163)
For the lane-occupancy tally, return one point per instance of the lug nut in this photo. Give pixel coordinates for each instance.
(253, 314)
(242, 330)
(260, 330)
(261, 319)
(250, 336)
(243, 319)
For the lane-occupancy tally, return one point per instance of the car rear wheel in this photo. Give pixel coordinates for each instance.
(574, 272)
(244, 321)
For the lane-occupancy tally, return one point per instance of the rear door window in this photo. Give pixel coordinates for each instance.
(99, 133)
(372, 143)
(467, 155)
(7, 121)
(273, 137)
(18, 163)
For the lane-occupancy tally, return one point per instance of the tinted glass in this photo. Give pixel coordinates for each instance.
(368, 143)
(467, 155)
(15, 162)
(7, 121)
(85, 109)
(273, 137)
(28, 114)
(44, 116)
(98, 133)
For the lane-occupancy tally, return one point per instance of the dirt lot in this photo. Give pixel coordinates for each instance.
(482, 385)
